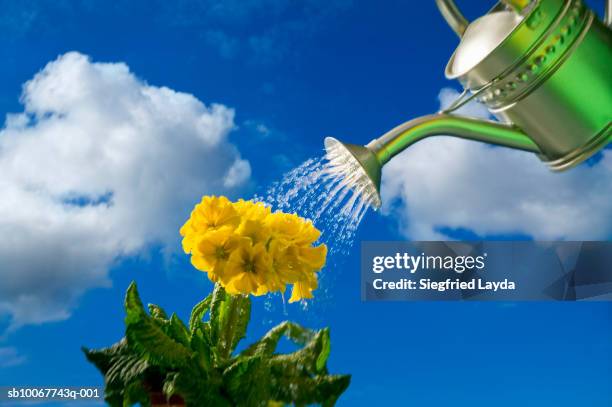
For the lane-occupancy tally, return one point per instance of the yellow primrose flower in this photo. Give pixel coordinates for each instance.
(292, 229)
(285, 262)
(247, 269)
(212, 213)
(255, 230)
(249, 250)
(212, 252)
(252, 210)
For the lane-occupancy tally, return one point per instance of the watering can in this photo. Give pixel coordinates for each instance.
(543, 68)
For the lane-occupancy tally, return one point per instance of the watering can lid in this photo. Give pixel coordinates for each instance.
(496, 41)
(481, 37)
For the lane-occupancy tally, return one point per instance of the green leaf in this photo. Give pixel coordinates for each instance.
(148, 336)
(118, 364)
(197, 313)
(157, 312)
(325, 349)
(309, 360)
(267, 344)
(126, 369)
(229, 317)
(216, 308)
(329, 388)
(202, 350)
(136, 393)
(234, 322)
(169, 386)
(123, 370)
(113, 397)
(149, 339)
(248, 381)
(102, 358)
(178, 331)
(195, 391)
(303, 390)
(304, 372)
(133, 306)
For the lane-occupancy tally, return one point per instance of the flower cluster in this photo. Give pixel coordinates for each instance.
(248, 249)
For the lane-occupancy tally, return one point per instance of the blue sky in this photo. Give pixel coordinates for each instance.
(291, 74)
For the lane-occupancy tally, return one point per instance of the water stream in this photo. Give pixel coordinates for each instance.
(317, 191)
(331, 197)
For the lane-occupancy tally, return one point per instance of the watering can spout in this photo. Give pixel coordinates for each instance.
(367, 161)
(398, 139)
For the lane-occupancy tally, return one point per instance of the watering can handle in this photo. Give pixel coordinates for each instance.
(458, 22)
(453, 16)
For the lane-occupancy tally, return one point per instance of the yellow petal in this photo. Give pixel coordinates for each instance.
(300, 291)
(201, 264)
(185, 228)
(205, 247)
(252, 210)
(261, 290)
(313, 256)
(243, 283)
(308, 233)
(187, 244)
(218, 270)
(255, 230)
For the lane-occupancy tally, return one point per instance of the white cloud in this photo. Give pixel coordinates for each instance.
(99, 165)
(9, 356)
(450, 182)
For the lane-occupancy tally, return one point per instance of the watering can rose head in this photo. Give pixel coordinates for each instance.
(248, 249)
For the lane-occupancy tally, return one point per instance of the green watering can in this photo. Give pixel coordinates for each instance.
(543, 68)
